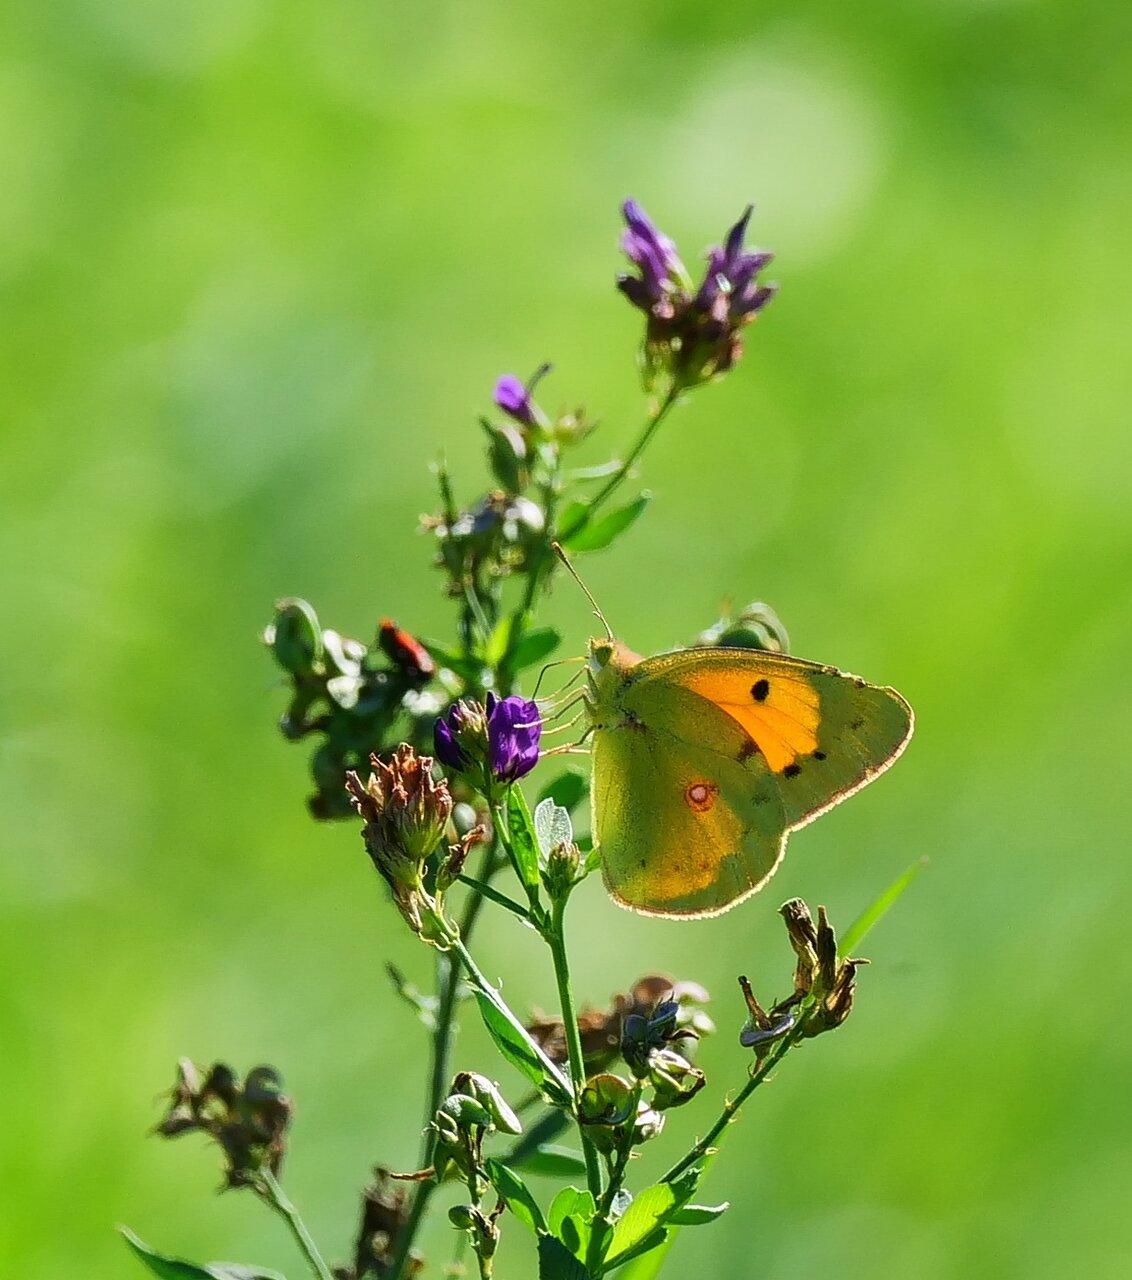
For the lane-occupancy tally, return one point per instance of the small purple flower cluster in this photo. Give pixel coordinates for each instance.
(691, 335)
(511, 728)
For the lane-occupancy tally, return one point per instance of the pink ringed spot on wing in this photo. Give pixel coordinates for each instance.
(700, 796)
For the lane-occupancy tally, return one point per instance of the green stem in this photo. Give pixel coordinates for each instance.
(731, 1108)
(615, 480)
(556, 941)
(602, 1224)
(448, 978)
(276, 1197)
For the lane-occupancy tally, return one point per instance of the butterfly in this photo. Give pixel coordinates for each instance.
(705, 759)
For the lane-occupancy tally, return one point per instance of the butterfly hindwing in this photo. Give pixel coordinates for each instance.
(681, 829)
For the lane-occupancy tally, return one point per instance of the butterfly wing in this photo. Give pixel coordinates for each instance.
(820, 733)
(685, 828)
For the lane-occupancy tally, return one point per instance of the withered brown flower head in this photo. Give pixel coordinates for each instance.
(824, 986)
(405, 810)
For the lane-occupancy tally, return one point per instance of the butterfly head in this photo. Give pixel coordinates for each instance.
(609, 663)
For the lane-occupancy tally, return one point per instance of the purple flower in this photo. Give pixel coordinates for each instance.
(514, 399)
(459, 735)
(653, 254)
(731, 274)
(444, 740)
(513, 730)
(691, 335)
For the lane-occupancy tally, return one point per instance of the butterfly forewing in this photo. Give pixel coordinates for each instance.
(822, 733)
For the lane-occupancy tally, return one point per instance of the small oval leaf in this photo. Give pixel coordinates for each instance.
(514, 1193)
(524, 841)
(597, 534)
(516, 1045)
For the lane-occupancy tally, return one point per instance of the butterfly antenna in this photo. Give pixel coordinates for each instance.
(557, 546)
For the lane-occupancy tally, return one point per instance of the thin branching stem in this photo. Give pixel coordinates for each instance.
(615, 480)
(274, 1195)
(731, 1107)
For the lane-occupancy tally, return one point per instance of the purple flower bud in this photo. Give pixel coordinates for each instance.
(460, 735)
(514, 399)
(652, 253)
(514, 727)
(731, 274)
(447, 748)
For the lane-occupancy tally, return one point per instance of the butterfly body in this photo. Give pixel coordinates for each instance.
(705, 759)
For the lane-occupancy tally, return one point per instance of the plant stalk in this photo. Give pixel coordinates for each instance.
(731, 1108)
(556, 940)
(277, 1199)
(448, 979)
(615, 480)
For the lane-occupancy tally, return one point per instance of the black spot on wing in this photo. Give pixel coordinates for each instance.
(747, 750)
(792, 771)
(760, 689)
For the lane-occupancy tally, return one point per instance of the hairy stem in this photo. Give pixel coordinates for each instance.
(274, 1195)
(556, 940)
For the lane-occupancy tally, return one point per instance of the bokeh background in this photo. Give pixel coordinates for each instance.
(259, 263)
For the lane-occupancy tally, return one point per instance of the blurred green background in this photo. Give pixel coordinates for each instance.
(259, 263)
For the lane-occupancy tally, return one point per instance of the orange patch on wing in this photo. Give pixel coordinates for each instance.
(783, 723)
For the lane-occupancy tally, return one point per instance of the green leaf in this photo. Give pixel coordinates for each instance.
(856, 932)
(533, 647)
(572, 519)
(694, 1215)
(597, 534)
(178, 1269)
(499, 641)
(655, 1240)
(515, 1194)
(524, 841)
(653, 1208)
(570, 1201)
(516, 1045)
(568, 790)
(552, 1161)
(556, 1262)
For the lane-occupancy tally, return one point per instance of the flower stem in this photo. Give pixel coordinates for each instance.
(602, 1225)
(615, 480)
(731, 1108)
(276, 1197)
(556, 940)
(447, 979)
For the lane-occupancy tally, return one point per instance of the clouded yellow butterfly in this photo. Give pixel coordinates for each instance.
(705, 759)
